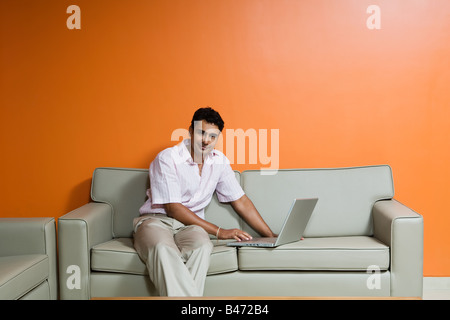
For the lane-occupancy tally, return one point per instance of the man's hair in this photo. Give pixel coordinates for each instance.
(209, 115)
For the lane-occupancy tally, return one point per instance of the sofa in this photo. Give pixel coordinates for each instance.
(359, 242)
(28, 259)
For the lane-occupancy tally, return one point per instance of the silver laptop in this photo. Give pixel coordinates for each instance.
(292, 230)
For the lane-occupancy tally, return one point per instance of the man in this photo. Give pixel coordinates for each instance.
(171, 235)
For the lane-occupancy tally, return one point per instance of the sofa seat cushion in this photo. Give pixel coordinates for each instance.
(20, 274)
(328, 253)
(119, 255)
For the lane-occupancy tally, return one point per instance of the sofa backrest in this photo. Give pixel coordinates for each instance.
(346, 197)
(125, 191)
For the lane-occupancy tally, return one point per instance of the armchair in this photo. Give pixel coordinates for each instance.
(28, 267)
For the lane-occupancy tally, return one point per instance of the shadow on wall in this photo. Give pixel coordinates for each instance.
(79, 195)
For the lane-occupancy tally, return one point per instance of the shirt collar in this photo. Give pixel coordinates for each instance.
(185, 153)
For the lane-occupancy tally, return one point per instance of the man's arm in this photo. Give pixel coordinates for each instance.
(246, 209)
(187, 217)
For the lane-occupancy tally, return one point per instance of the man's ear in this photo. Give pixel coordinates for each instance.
(191, 131)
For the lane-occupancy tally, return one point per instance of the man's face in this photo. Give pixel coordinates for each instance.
(204, 137)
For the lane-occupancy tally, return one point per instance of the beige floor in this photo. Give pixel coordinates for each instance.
(436, 288)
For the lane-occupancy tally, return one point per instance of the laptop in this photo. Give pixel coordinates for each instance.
(292, 230)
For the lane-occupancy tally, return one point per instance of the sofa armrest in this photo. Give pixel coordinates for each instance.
(78, 232)
(22, 236)
(401, 229)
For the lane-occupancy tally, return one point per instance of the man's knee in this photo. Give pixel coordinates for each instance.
(200, 240)
(164, 246)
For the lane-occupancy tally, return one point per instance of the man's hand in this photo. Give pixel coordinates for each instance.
(237, 234)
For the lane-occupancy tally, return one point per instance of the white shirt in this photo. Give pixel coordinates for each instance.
(175, 177)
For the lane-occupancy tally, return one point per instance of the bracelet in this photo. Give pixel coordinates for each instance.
(217, 233)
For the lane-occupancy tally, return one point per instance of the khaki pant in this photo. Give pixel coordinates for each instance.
(177, 256)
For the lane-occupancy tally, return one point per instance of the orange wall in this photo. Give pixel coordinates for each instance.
(112, 93)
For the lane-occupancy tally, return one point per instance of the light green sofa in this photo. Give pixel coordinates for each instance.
(28, 260)
(359, 241)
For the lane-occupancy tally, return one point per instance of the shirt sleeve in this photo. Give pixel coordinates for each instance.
(164, 182)
(228, 188)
